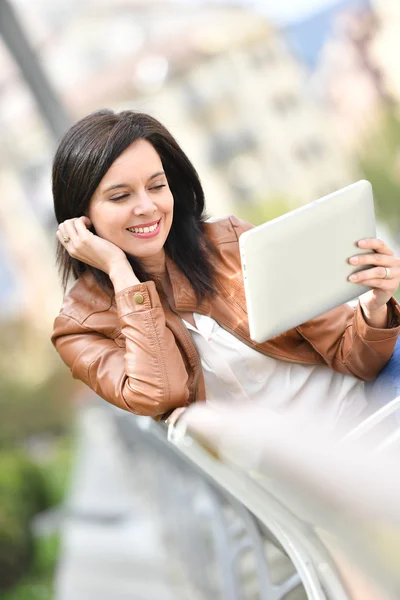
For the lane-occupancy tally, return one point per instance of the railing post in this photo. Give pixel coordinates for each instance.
(50, 106)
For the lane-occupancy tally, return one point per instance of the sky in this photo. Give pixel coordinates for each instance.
(287, 11)
(291, 10)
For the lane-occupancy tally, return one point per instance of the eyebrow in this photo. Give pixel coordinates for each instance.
(123, 185)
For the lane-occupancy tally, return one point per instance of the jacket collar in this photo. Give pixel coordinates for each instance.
(184, 296)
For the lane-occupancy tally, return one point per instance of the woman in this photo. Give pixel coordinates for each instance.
(157, 317)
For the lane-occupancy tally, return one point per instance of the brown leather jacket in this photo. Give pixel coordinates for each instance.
(135, 352)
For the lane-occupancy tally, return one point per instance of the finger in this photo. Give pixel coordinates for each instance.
(69, 234)
(61, 227)
(63, 232)
(384, 285)
(377, 245)
(81, 227)
(375, 273)
(61, 238)
(88, 223)
(83, 219)
(65, 225)
(174, 416)
(69, 227)
(374, 258)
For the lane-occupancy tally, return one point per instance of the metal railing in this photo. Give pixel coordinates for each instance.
(247, 521)
(247, 524)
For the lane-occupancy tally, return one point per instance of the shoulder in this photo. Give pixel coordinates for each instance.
(85, 298)
(224, 235)
(225, 229)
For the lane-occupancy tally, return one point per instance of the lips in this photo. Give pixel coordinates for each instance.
(146, 230)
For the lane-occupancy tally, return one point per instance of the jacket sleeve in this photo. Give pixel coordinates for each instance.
(348, 344)
(148, 376)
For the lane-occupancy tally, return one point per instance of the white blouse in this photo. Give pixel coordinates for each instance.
(234, 372)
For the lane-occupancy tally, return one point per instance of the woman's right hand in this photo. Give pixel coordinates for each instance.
(89, 248)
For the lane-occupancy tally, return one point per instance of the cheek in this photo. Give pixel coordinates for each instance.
(169, 205)
(106, 221)
(169, 213)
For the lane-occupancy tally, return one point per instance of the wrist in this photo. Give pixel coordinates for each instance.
(122, 275)
(377, 318)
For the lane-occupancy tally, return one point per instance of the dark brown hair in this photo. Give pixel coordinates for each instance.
(85, 154)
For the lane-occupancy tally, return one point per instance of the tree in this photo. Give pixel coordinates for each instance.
(380, 163)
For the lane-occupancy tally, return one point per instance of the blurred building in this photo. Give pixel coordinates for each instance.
(358, 71)
(241, 109)
(224, 82)
(222, 79)
(386, 46)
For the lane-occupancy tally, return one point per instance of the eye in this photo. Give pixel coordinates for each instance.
(116, 198)
(158, 187)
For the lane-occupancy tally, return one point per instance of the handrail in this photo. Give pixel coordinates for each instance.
(262, 498)
(275, 495)
(296, 539)
(350, 528)
(309, 556)
(376, 418)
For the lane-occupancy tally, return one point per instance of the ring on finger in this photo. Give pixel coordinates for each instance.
(66, 239)
(387, 274)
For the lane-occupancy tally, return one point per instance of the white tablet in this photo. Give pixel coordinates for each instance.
(296, 267)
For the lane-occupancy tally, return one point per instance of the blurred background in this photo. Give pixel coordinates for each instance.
(276, 104)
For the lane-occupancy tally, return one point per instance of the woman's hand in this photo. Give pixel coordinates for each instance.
(87, 247)
(383, 278)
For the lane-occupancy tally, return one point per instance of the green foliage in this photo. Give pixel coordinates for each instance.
(22, 495)
(38, 583)
(35, 408)
(35, 388)
(22, 482)
(380, 164)
(55, 471)
(31, 410)
(27, 488)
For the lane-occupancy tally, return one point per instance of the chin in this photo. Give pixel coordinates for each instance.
(143, 254)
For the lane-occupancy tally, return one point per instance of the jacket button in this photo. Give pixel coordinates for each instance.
(139, 298)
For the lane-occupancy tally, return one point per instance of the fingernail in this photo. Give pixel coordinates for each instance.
(362, 243)
(354, 260)
(353, 277)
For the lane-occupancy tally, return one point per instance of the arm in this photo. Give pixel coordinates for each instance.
(357, 342)
(148, 376)
(348, 344)
(363, 343)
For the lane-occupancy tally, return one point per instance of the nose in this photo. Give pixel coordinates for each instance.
(144, 205)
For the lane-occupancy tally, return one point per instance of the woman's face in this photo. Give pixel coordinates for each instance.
(132, 206)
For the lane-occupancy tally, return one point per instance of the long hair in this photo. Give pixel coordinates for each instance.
(85, 154)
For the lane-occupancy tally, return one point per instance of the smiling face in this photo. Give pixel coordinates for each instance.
(132, 206)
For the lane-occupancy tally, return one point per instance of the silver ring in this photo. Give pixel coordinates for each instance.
(387, 276)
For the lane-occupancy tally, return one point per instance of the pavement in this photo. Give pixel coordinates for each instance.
(112, 542)
(119, 534)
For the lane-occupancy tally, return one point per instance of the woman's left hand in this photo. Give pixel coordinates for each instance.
(383, 277)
